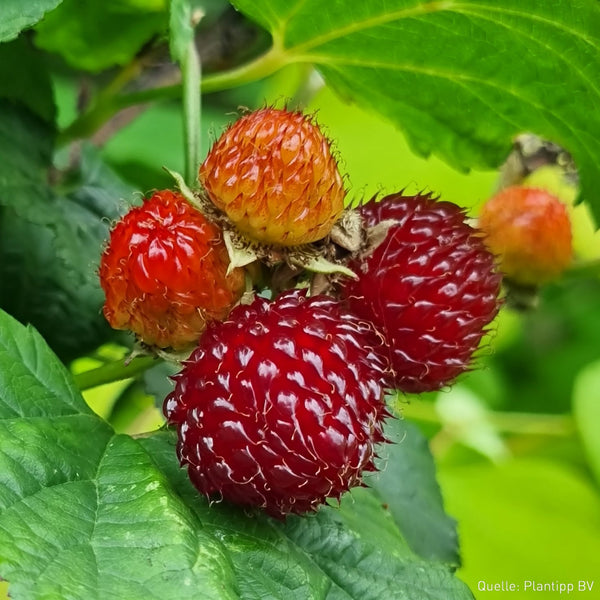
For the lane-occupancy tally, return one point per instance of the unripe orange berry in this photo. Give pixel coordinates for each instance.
(530, 231)
(273, 174)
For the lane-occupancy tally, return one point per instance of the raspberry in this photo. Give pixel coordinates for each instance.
(280, 406)
(164, 273)
(430, 288)
(273, 174)
(530, 231)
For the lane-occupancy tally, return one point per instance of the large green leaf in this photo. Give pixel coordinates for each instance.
(97, 35)
(460, 78)
(24, 78)
(355, 551)
(52, 235)
(16, 15)
(86, 513)
(408, 487)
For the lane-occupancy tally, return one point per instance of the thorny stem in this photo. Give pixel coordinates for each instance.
(310, 85)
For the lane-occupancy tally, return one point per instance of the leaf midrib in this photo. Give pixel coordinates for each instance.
(279, 28)
(420, 9)
(450, 76)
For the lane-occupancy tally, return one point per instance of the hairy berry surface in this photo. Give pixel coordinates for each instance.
(430, 288)
(530, 231)
(164, 273)
(273, 174)
(281, 405)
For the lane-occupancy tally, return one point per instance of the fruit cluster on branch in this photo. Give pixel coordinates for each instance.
(298, 313)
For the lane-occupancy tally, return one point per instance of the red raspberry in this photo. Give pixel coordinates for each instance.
(429, 288)
(530, 231)
(164, 273)
(280, 406)
(273, 174)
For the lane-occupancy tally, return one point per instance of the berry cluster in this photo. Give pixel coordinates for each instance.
(281, 401)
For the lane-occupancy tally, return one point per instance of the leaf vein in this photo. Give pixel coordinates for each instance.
(381, 19)
(524, 15)
(452, 77)
(541, 43)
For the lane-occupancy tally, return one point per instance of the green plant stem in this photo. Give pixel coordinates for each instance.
(113, 371)
(191, 81)
(504, 422)
(418, 410)
(101, 109)
(122, 78)
(108, 104)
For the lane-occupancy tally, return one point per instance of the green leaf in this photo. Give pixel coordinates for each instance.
(24, 78)
(459, 78)
(86, 513)
(51, 236)
(16, 15)
(408, 486)
(353, 551)
(360, 569)
(97, 35)
(586, 408)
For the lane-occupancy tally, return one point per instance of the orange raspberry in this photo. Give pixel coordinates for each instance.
(164, 273)
(273, 174)
(530, 231)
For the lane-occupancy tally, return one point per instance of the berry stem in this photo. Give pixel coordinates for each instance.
(107, 105)
(310, 84)
(511, 423)
(113, 371)
(191, 81)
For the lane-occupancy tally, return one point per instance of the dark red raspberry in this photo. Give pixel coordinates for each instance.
(164, 272)
(280, 406)
(430, 288)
